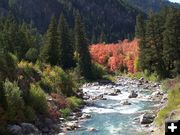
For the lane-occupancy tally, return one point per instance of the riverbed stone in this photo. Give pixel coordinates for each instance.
(91, 129)
(71, 125)
(133, 94)
(126, 102)
(113, 94)
(147, 118)
(117, 91)
(85, 116)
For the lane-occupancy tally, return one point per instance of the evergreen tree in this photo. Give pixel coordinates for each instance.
(65, 45)
(154, 45)
(140, 34)
(102, 37)
(50, 51)
(84, 61)
(171, 42)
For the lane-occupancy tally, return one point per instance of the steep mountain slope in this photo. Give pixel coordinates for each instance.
(114, 18)
(151, 5)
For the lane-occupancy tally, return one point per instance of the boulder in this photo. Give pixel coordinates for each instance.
(141, 79)
(117, 91)
(23, 129)
(15, 130)
(113, 94)
(100, 97)
(85, 116)
(72, 118)
(91, 129)
(71, 125)
(104, 98)
(147, 118)
(48, 122)
(156, 95)
(133, 94)
(126, 103)
(86, 97)
(164, 98)
(78, 114)
(28, 128)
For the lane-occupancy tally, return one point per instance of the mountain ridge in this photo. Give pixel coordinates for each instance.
(115, 19)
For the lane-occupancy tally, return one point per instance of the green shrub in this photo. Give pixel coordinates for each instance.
(74, 102)
(65, 112)
(29, 114)
(30, 71)
(55, 79)
(37, 99)
(173, 104)
(8, 63)
(98, 71)
(14, 100)
(32, 54)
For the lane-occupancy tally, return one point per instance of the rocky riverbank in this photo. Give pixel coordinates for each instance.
(100, 91)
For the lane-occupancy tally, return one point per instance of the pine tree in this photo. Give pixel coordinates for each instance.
(171, 42)
(140, 34)
(84, 61)
(65, 45)
(50, 51)
(154, 45)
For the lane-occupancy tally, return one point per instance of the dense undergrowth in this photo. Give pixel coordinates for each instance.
(35, 89)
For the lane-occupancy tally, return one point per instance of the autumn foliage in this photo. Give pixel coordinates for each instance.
(120, 56)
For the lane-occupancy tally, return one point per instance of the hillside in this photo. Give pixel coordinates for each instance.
(112, 18)
(151, 5)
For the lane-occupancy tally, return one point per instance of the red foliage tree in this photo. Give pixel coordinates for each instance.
(117, 56)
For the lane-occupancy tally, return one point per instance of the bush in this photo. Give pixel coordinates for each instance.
(56, 80)
(8, 63)
(37, 99)
(32, 54)
(29, 69)
(74, 102)
(98, 71)
(65, 112)
(173, 104)
(14, 100)
(29, 114)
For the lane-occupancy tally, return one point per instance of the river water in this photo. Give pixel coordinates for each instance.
(111, 117)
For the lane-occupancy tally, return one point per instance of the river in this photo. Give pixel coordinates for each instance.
(109, 116)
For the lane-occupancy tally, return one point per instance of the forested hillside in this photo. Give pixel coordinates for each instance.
(108, 20)
(151, 5)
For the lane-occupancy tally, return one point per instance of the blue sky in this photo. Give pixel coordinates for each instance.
(178, 1)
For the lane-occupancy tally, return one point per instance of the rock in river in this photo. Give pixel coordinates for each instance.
(147, 118)
(126, 103)
(113, 94)
(133, 94)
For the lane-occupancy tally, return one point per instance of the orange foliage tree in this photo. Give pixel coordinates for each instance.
(119, 56)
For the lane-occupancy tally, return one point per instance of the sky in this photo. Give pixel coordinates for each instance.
(178, 1)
